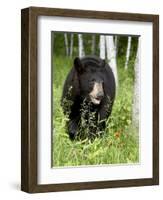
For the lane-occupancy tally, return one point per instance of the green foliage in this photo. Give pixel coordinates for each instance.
(121, 51)
(119, 143)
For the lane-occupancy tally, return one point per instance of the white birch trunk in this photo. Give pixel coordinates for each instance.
(93, 44)
(66, 44)
(128, 52)
(102, 46)
(116, 45)
(111, 56)
(71, 44)
(81, 46)
(136, 87)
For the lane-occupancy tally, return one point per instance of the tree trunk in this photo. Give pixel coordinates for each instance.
(128, 52)
(81, 46)
(93, 44)
(116, 45)
(102, 46)
(111, 56)
(66, 44)
(71, 44)
(136, 87)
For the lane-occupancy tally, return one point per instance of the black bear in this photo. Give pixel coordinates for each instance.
(91, 83)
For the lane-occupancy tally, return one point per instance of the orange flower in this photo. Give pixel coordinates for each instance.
(117, 134)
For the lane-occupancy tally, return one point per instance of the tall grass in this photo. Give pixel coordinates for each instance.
(119, 143)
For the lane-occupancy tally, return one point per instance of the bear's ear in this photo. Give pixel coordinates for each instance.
(78, 65)
(103, 63)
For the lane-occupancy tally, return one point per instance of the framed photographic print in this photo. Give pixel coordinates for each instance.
(90, 99)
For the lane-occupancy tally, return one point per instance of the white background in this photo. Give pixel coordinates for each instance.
(81, 174)
(10, 98)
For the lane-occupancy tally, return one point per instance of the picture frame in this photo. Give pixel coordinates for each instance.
(29, 99)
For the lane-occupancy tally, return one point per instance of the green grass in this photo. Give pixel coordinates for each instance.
(119, 143)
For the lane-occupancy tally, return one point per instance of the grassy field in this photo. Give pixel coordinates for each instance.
(119, 144)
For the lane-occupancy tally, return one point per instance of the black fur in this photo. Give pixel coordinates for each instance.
(77, 87)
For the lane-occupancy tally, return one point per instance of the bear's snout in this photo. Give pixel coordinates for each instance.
(100, 95)
(97, 93)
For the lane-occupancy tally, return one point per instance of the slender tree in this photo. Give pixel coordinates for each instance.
(81, 45)
(128, 52)
(136, 86)
(71, 44)
(111, 56)
(102, 46)
(116, 45)
(66, 44)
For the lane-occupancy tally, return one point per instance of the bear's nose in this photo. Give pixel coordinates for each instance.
(100, 95)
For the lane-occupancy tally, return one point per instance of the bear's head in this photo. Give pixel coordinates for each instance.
(90, 72)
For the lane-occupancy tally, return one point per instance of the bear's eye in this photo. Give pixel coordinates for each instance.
(92, 80)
